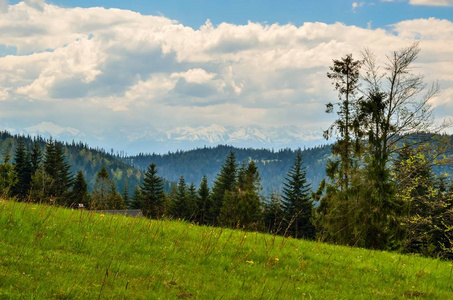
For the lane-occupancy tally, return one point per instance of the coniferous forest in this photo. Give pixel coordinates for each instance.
(384, 183)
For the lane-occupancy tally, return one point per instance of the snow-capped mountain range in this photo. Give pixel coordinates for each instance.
(216, 134)
(183, 138)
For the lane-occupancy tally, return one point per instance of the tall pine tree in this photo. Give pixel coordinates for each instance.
(137, 199)
(192, 200)
(79, 192)
(152, 190)
(225, 183)
(180, 203)
(7, 177)
(58, 170)
(23, 170)
(297, 204)
(336, 211)
(242, 206)
(36, 156)
(63, 180)
(203, 201)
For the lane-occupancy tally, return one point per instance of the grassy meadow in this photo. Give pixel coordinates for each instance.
(49, 252)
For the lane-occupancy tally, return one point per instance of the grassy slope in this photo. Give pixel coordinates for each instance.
(48, 252)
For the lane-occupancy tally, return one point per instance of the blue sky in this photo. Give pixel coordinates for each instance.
(195, 12)
(153, 76)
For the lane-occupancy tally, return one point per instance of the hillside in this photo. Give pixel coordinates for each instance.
(49, 252)
(193, 164)
(82, 157)
(273, 166)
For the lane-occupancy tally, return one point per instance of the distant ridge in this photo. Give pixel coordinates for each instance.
(272, 165)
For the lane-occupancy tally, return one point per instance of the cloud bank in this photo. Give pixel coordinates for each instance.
(432, 2)
(425, 2)
(115, 74)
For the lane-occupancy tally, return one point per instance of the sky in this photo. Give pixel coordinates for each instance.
(152, 76)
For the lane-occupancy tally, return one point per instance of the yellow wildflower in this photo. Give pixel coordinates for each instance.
(250, 262)
(102, 215)
(276, 259)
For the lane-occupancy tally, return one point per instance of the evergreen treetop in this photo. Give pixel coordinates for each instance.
(152, 191)
(297, 204)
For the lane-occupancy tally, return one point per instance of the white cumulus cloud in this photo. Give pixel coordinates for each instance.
(425, 2)
(432, 2)
(113, 73)
(356, 5)
(3, 6)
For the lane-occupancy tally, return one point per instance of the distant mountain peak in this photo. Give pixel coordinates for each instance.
(230, 134)
(161, 140)
(47, 129)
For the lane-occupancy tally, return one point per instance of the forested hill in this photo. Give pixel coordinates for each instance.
(81, 157)
(273, 166)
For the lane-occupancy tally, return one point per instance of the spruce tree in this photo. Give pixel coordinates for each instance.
(297, 203)
(36, 156)
(243, 206)
(226, 181)
(63, 180)
(137, 199)
(251, 208)
(23, 170)
(345, 78)
(180, 207)
(192, 200)
(58, 170)
(152, 190)
(79, 191)
(203, 202)
(7, 177)
(50, 159)
(336, 208)
(229, 212)
(126, 193)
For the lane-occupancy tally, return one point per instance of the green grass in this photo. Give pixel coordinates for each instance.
(48, 252)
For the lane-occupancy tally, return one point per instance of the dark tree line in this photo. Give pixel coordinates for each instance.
(207, 161)
(81, 157)
(46, 177)
(234, 201)
(38, 177)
